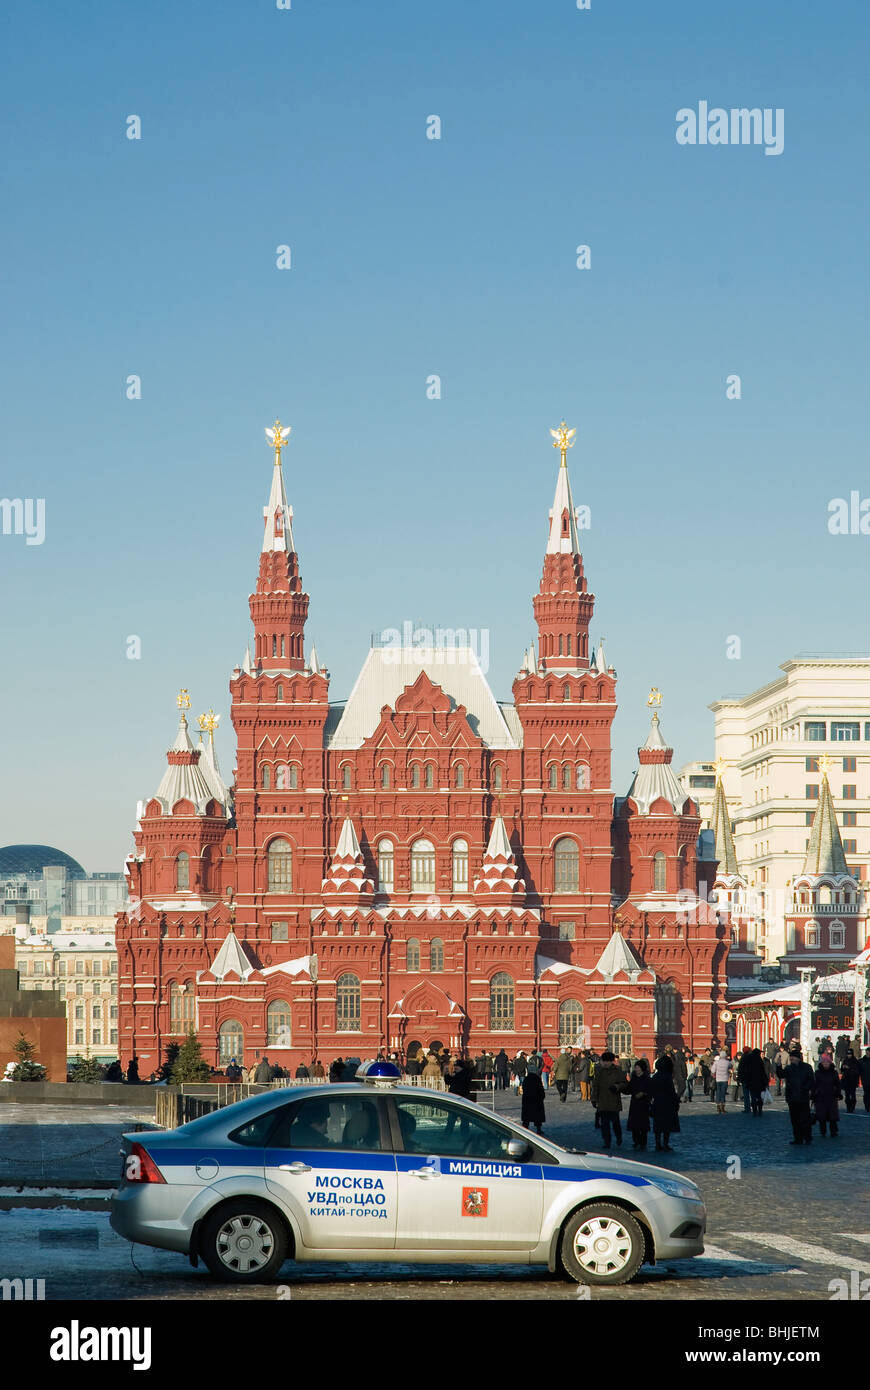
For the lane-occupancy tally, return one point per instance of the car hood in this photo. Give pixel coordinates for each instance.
(615, 1164)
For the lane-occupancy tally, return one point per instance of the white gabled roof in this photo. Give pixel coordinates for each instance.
(185, 781)
(231, 957)
(387, 671)
(298, 966)
(617, 955)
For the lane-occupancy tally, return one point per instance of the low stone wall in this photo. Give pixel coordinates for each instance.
(78, 1093)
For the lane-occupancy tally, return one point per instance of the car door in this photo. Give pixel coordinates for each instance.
(458, 1188)
(330, 1158)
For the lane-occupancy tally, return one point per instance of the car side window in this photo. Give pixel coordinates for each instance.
(435, 1127)
(255, 1133)
(342, 1122)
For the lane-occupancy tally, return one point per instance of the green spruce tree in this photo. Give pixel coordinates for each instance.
(188, 1065)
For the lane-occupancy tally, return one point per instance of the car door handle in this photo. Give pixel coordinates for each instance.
(424, 1173)
(294, 1167)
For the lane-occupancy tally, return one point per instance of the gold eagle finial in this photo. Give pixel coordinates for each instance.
(563, 440)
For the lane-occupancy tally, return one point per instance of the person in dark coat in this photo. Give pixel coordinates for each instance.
(336, 1069)
(459, 1081)
(741, 1081)
(607, 1082)
(755, 1079)
(664, 1103)
(532, 1112)
(502, 1067)
(828, 1092)
(133, 1071)
(637, 1087)
(864, 1069)
(800, 1087)
(263, 1072)
(850, 1075)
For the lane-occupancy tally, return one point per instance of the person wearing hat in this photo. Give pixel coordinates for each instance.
(800, 1086)
(607, 1083)
(827, 1092)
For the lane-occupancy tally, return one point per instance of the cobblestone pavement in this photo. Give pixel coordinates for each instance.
(64, 1143)
(789, 1224)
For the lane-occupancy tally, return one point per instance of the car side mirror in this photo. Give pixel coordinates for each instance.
(518, 1148)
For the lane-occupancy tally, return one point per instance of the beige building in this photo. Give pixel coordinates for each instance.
(770, 741)
(80, 962)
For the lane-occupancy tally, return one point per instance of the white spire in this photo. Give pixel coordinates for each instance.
(348, 844)
(278, 514)
(499, 844)
(567, 544)
(313, 663)
(600, 658)
(616, 956)
(231, 957)
(246, 664)
(533, 660)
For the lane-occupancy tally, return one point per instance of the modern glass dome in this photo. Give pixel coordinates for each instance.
(32, 859)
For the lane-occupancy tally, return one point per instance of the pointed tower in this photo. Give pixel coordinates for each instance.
(347, 882)
(499, 879)
(826, 919)
(730, 896)
(278, 606)
(563, 606)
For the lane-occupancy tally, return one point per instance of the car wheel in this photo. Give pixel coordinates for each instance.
(244, 1242)
(602, 1244)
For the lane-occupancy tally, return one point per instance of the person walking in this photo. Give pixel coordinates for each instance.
(705, 1067)
(519, 1067)
(502, 1068)
(827, 1092)
(637, 1088)
(864, 1069)
(562, 1069)
(664, 1103)
(461, 1077)
(850, 1075)
(432, 1070)
(755, 1080)
(720, 1072)
(582, 1067)
(546, 1065)
(607, 1083)
(302, 1073)
(779, 1066)
(234, 1071)
(336, 1070)
(800, 1086)
(740, 1079)
(263, 1073)
(532, 1108)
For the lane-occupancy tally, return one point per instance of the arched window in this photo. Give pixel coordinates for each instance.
(422, 866)
(660, 872)
(460, 776)
(619, 1038)
(415, 776)
(280, 861)
(681, 867)
(274, 646)
(279, 690)
(430, 775)
(182, 871)
(566, 690)
(348, 1004)
(497, 778)
(182, 1007)
(570, 1023)
(345, 777)
(436, 955)
(278, 1032)
(293, 776)
(412, 954)
(667, 1007)
(561, 653)
(266, 779)
(567, 866)
(460, 866)
(231, 1041)
(385, 866)
(501, 1003)
(566, 777)
(206, 870)
(582, 777)
(385, 775)
(553, 777)
(281, 777)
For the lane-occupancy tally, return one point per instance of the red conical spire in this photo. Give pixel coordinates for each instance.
(563, 607)
(278, 606)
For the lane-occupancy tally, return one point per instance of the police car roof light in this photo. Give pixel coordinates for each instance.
(379, 1073)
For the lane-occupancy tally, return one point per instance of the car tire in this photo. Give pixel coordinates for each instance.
(244, 1242)
(602, 1244)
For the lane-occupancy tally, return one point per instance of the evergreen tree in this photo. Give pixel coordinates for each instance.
(189, 1065)
(26, 1068)
(85, 1069)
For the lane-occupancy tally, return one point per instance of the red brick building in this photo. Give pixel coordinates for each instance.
(422, 862)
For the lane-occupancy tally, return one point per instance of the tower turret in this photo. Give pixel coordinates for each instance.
(563, 606)
(278, 606)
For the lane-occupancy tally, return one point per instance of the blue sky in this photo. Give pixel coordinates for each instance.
(307, 127)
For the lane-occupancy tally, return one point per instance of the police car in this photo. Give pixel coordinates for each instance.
(388, 1172)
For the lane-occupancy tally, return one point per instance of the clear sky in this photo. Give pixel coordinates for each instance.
(307, 127)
